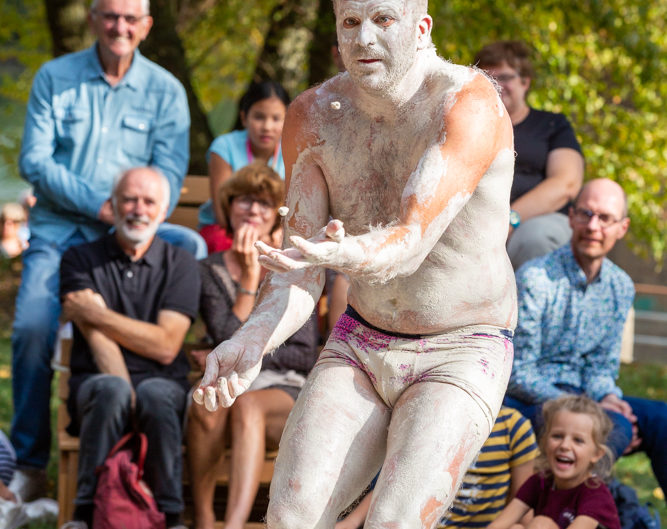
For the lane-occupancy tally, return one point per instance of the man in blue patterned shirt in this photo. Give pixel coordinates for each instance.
(573, 304)
(91, 115)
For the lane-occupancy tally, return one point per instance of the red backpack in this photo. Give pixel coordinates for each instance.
(122, 499)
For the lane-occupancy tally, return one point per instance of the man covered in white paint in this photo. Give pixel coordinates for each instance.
(415, 161)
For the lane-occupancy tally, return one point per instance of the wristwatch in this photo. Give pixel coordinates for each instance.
(515, 219)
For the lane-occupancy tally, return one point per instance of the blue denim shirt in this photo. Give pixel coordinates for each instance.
(81, 132)
(568, 332)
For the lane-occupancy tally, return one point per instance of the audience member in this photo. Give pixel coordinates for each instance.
(573, 303)
(501, 467)
(569, 490)
(549, 166)
(260, 126)
(131, 297)
(12, 217)
(230, 281)
(91, 115)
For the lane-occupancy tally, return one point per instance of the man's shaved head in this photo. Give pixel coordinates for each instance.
(420, 7)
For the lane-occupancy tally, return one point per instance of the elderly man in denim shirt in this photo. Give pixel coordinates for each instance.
(91, 114)
(573, 304)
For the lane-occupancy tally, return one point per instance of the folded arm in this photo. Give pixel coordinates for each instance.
(564, 176)
(159, 341)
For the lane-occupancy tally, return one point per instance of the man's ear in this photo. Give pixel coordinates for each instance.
(148, 24)
(624, 225)
(424, 32)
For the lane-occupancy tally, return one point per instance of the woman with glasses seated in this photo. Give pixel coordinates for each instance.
(230, 282)
(549, 167)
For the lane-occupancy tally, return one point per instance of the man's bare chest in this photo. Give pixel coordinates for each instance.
(367, 169)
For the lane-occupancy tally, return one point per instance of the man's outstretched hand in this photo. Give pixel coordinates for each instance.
(230, 369)
(324, 249)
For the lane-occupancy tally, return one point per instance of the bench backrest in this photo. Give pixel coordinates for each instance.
(194, 193)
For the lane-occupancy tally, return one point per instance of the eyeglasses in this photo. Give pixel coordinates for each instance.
(584, 216)
(505, 77)
(245, 202)
(113, 18)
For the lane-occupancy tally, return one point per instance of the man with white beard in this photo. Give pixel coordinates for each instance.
(131, 297)
(414, 155)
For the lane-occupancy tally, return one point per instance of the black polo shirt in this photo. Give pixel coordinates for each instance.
(165, 278)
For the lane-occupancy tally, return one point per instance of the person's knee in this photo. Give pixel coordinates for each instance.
(199, 418)
(159, 398)
(621, 434)
(112, 391)
(105, 397)
(246, 412)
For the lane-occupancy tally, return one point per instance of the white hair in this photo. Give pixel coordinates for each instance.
(166, 190)
(145, 6)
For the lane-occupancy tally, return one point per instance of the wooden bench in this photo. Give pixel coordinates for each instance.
(195, 191)
(68, 447)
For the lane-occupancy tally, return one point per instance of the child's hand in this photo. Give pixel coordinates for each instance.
(542, 522)
(6, 494)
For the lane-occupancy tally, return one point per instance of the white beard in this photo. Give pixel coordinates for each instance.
(136, 236)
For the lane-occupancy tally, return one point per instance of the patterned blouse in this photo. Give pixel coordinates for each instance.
(569, 332)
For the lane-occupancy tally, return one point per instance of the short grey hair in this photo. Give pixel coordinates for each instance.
(145, 6)
(166, 189)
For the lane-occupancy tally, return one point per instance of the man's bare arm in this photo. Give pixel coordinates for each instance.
(439, 187)
(564, 176)
(159, 341)
(106, 353)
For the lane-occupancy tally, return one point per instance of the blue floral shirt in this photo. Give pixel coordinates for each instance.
(569, 332)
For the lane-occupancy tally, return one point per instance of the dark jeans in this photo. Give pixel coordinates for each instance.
(651, 423)
(103, 413)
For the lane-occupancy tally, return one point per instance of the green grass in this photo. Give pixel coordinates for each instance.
(635, 470)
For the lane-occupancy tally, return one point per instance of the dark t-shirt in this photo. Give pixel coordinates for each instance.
(592, 498)
(165, 278)
(537, 135)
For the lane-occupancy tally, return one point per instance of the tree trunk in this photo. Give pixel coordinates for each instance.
(285, 53)
(320, 60)
(68, 25)
(164, 46)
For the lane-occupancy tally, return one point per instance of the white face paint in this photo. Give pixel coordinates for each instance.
(377, 40)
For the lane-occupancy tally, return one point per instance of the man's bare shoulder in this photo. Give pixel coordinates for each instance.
(315, 110)
(472, 102)
(461, 82)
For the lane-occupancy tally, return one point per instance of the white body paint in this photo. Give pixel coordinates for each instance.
(426, 215)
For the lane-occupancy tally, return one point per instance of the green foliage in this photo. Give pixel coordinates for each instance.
(222, 45)
(600, 63)
(24, 46)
